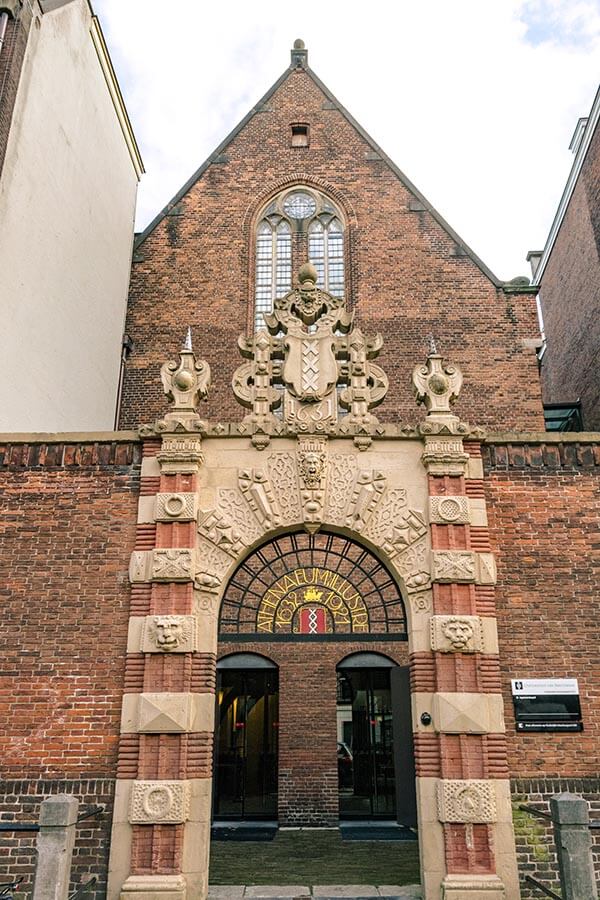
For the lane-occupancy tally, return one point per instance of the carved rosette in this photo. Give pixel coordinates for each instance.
(176, 507)
(466, 801)
(449, 510)
(159, 803)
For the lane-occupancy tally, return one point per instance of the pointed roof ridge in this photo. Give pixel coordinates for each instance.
(299, 59)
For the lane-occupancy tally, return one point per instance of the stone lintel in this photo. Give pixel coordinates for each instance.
(473, 887)
(154, 887)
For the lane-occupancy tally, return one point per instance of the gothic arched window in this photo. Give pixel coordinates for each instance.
(299, 224)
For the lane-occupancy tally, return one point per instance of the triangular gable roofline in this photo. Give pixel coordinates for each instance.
(399, 174)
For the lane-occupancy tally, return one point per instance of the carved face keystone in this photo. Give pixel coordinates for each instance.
(459, 633)
(168, 631)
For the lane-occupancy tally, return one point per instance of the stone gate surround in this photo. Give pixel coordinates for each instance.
(212, 493)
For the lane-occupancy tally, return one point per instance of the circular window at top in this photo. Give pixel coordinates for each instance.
(299, 205)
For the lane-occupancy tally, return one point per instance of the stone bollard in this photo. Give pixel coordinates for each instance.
(55, 842)
(574, 846)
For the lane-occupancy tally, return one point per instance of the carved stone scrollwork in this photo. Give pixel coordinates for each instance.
(466, 801)
(159, 802)
(310, 349)
(256, 488)
(284, 478)
(343, 468)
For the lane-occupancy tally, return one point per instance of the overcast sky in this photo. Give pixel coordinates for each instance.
(475, 100)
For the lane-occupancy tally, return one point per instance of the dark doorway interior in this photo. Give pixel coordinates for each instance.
(246, 743)
(365, 744)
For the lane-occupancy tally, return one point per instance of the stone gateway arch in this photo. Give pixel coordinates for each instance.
(306, 533)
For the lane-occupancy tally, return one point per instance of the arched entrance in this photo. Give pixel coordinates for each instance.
(315, 605)
(246, 738)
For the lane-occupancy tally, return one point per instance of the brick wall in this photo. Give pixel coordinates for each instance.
(11, 62)
(67, 522)
(308, 773)
(544, 507)
(20, 802)
(569, 298)
(406, 276)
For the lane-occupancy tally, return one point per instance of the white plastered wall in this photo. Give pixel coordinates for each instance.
(67, 202)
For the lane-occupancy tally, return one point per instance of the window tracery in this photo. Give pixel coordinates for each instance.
(299, 224)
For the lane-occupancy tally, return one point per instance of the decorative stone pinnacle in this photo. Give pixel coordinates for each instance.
(307, 276)
(185, 382)
(432, 347)
(436, 384)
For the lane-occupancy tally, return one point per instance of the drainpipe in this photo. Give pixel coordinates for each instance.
(126, 348)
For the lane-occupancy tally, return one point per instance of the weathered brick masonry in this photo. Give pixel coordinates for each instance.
(67, 526)
(544, 507)
(406, 276)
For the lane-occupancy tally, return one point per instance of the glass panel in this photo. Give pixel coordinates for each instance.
(365, 744)
(316, 251)
(247, 741)
(299, 205)
(335, 259)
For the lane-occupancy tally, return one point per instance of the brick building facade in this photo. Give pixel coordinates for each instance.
(300, 557)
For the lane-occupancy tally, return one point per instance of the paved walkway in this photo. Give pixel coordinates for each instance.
(322, 891)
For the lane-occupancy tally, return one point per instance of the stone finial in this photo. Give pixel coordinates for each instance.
(185, 383)
(299, 53)
(436, 384)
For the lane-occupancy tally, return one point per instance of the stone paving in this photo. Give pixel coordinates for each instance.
(320, 891)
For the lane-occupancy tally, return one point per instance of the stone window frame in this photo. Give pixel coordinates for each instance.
(332, 264)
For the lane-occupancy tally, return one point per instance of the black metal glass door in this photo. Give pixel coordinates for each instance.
(246, 744)
(365, 744)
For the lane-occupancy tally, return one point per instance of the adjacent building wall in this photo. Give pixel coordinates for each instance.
(570, 288)
(67, 527)
(67, 198)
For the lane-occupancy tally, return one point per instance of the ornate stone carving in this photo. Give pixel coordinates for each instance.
(486, 568)
(185, 383)
(256, 488)
(169, 634)
(454, 566)
(444, 457)
(211, 561)
(466, 801)
(312, 470)
(182, 507)
(180, 455)
(172, 565)
(340, 484)
(309, 349)
(229, 526)
(159, 802)
(437, 385)
(422, 602)
(370, 485)
(456, 634)
(449, 510)
(393, 526)
(282, 469)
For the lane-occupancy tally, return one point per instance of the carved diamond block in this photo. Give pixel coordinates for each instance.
(164, 713)
(454, 566)
(159, 803)
(169, 634)
(449, 510)
(486, 568)
(466, 801)
(467, 713)
(456, 634)
(173, 565)
(140, 566)
(182, 507)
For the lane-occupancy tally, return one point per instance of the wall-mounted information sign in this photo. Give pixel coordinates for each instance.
(546, 704)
